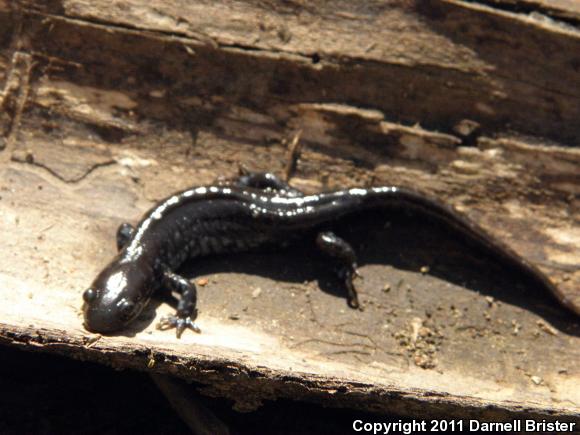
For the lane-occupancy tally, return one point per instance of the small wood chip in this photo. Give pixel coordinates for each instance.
(293, 154)
(90, 341)
(516, 325)
(548, 329)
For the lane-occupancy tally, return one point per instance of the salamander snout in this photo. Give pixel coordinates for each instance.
(116, 297)
(102, 320)
(106, 318)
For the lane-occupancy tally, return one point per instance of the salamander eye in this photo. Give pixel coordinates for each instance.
(126, 309)
(89, 295)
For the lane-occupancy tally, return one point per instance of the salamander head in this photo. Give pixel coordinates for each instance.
(117, 296)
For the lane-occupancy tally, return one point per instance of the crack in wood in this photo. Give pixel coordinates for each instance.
(183, 37)
(15, 94)
(332, 343)
(17, 157)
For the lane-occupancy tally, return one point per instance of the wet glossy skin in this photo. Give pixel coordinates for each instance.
(233, 218)
(118, 295)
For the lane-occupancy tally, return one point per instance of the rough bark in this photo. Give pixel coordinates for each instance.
(109, 107)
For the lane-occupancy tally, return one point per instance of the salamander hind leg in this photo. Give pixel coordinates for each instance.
(124, 234)
(186, 308)
(334, 246)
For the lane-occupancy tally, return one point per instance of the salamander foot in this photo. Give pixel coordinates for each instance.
(334, 246)
(179, 323)
(349, 274)
(266, 181)
(186, 311)
(124, 234)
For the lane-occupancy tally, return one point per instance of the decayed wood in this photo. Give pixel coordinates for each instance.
(107, 108)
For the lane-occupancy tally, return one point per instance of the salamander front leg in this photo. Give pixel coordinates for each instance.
(124, 234)
(186, 312)
(331, 244)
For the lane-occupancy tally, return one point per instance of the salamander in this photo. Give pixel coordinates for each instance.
(255, 210)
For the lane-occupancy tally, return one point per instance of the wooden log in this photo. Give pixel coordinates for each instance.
(108, 108)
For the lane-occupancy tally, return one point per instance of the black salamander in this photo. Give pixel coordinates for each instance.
(253, 211)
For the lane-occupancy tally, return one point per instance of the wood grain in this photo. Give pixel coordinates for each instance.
(108, 107)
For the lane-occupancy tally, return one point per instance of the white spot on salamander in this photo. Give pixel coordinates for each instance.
(116, 283)
(358, 191)
(384, 189)
(173, 200)
(295, 201)
(280, 200)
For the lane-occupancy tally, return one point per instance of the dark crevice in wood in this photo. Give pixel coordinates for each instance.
(557, 16)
